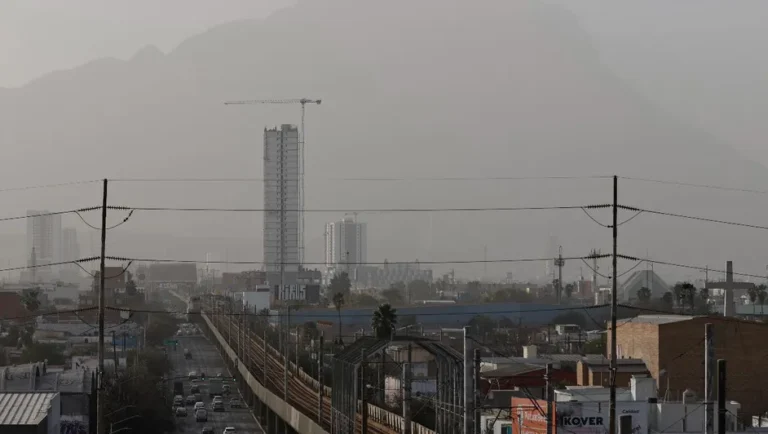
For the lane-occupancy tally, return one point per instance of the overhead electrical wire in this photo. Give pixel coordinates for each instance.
(362, 210)
(690, 217)
(372, 179)
(36, 187)
(53, 213)
(473, 261)
(689, 184)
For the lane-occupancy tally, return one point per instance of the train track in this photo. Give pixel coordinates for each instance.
(302, 395)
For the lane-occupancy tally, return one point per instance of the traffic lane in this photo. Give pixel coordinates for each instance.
(206, 359)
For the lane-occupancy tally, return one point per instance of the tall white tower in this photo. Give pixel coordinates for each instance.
(44, 236)
(281, 199)
(346, 244)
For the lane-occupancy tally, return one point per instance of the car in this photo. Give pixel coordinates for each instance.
(194, 389)
(229, 430)
(218, 398)
(201, 415)
(191, 400)
(206, 430)
(227, 389)
(181, 411)
(235, 403)
(218, 406)
(193, 375)
(199, 405)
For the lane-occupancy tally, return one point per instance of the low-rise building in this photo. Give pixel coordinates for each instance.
(672, 347)
(30, 413)
(594, 370)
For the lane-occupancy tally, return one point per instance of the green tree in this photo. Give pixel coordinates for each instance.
(569, 288)
(145, 393)
(161, 327)
(482, 324)
(685, 293)
(340, 284)
(668, 300)
(762, 292)
(644, 295)
(384, 321)
(363, 300)
(338, 303)
(31, 300)
(419, 290)
(596, 346)
(393, 296)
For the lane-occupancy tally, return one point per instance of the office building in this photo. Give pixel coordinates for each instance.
(345, 245)
(44, 240)
(281, 200)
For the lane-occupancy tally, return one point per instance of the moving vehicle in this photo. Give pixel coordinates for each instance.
(199, 405)
(178, 388)
(191, 400)
(181, 411)
(235, 403)
(201, 415)
(218, 398)
(226, 389)
(206, 430)
(178, 401)
(218, 406)
(193, 375)
(229, 430)
(215, 387)
(187, 354)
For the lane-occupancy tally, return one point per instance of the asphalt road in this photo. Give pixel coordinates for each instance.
(205, 358)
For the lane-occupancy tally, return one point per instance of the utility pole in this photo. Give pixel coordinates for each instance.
(364, 392)
(320, 378)
(114, 350)
(549, 396)
(476, 378)
(468, 383)
(100, 427)
(595, 283)
(721, 410)
(614, 361)
(559, 262)
(407, 398)
(709, 378)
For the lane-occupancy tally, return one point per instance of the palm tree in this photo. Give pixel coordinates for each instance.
(644, 295)
(668, 299)
(338, 302)
(384, 321)
(569, 288)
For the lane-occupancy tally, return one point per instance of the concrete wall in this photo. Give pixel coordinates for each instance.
(297, 420)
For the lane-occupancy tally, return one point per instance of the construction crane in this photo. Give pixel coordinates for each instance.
(303, 102)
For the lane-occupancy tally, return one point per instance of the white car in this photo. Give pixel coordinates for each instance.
(199, 405)
(229, 430)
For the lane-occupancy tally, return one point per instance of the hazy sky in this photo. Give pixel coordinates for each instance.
(693, 60)
(39, 36)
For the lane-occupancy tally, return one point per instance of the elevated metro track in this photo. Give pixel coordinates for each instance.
(303, 390)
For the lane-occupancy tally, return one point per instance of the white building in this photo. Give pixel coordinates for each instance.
(281, 198)
(346, 245)
(44, 237)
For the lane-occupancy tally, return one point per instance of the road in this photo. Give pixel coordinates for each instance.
(206, 359)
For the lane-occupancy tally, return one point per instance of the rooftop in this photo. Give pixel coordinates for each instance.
(657, 319)
(36, 378)
(511, 369)
(24, 408)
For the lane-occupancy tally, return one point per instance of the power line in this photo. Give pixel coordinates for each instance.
(29, 267)
(45, 214)
(474, 261)
(688, 184)
(691, 267)
(690, 217)
(372, 179)
(35, 187)
(362, 210)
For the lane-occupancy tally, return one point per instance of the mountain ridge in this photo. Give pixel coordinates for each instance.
(426, 88)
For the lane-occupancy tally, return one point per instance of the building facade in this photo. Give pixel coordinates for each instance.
(281, 199)
(672, 347)
(346, 244)
(43, 241)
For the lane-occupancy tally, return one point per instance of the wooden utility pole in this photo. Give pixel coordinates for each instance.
(100, 422)
(614, 288)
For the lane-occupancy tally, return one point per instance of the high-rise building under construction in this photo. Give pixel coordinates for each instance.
(281, 201)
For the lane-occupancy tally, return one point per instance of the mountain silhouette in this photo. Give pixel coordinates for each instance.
(427, 88)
